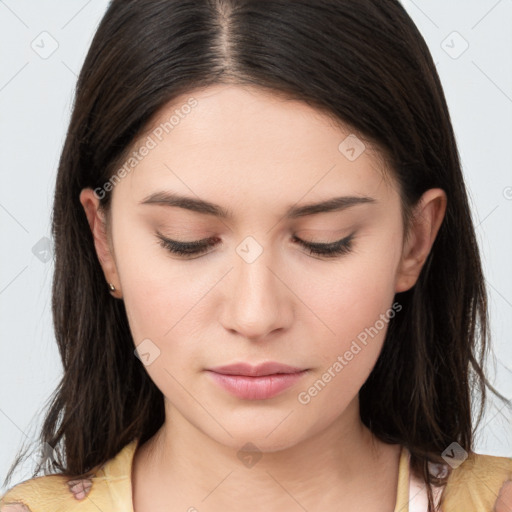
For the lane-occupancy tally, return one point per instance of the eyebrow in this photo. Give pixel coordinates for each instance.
(166, 198)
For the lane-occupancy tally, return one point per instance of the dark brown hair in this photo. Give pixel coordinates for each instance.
(365, 63)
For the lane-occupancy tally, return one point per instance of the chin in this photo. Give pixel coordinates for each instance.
(259, 436)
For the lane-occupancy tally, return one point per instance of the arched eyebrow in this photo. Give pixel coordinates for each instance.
(167, 198)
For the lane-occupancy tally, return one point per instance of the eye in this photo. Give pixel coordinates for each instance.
(198, 247)
(186, 248)
(330, 250)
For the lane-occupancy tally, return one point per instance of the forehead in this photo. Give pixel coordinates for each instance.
(245, 142)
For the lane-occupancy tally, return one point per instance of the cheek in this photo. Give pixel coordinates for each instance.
(157, 292)
(351, 294)
(354, 300)
(161, 302)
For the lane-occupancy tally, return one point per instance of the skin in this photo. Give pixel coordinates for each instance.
(286, 306)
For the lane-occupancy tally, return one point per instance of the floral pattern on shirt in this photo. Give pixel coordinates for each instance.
(80, 488)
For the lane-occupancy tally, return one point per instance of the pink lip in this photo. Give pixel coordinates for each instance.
(256, 382)
(268, 368)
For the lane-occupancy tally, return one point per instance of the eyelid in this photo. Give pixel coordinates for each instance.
(197, 248)
(324, 244)
(193, 247)
(329, 249)
(210, 240)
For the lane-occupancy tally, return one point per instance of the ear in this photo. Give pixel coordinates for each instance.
(104, 250)
(427, 219)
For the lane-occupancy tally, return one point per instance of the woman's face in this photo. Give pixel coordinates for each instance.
(256, 294)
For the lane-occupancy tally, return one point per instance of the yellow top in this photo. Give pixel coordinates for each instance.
(473, 486)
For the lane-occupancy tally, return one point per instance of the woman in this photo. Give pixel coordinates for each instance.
(268, 292)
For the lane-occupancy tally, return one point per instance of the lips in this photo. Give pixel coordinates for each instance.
(259, 382)
(246, 369)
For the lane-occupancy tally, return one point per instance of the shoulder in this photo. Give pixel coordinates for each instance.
(54, 493)
(50, 492)
(107, 489)
(480, 483)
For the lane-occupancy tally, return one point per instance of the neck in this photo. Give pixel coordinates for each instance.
(343, 467)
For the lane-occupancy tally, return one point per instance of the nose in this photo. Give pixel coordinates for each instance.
(257, 299)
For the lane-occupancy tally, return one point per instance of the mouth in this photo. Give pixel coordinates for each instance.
(256, 382)
(260, 370)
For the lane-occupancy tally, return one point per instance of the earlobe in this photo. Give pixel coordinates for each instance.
(427, 218)
(97, 223)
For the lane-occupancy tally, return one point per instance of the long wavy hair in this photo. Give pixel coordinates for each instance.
(363, 62)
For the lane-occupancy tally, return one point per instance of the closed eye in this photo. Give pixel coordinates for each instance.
(198, 247)
(330, 250)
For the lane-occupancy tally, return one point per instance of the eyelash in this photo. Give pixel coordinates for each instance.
(332, 250)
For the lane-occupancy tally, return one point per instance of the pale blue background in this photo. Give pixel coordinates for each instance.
(35, 99)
